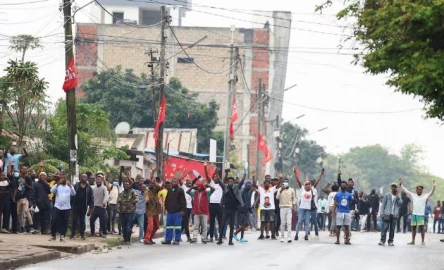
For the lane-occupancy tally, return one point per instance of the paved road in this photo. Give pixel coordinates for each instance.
(364, 253)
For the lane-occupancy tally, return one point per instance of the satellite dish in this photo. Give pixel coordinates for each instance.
(122, 128)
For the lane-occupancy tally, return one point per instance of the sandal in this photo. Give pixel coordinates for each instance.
(337, 243)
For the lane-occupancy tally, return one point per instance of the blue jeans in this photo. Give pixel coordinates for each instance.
(174, 224)
(127, 225)
(314, 221)
(140, 219)
(303, 216)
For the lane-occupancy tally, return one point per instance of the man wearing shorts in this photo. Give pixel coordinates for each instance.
(266, 198)
(341, 212)
(419, 201)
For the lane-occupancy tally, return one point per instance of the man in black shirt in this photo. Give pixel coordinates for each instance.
(403, 212)
(4, 195)
(374, 206)
(231, 199)
(79, 203)
(41, 200)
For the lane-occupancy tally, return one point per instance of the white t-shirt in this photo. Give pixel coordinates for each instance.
(331, 199)
(187, 196)
(267, 198)
(216, 196)
(252, 200)
(306, 197)
(419, 203)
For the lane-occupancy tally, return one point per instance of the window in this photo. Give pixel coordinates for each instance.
(150, 17)
(117, 16)
(185, 60)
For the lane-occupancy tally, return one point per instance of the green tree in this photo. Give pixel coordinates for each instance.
(23, 94)
(23, 43)
(402, 39)
(298, 150)
(95, 137)
(128, 97)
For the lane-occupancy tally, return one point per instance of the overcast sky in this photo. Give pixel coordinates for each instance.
(325, 77)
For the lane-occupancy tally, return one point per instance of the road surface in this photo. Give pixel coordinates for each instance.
(364, 253)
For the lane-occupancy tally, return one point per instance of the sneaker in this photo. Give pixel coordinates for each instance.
(152, 242)
(261, 237)
(141, 240)
(22, 230)
(176, 243)
(236, 238)
(62, 238)
(210, 240)
(391, 245)
(289, 241)
(267, 237)
(243, 240)
(193, 241)
(103, 235)
(32, 231)
(306, 238)
(188, 240)
(273, 238)
(296, 238)
(230, 243)
(316, 237)
(72, 237)
(52, 238)
(166, 242)
(381, 244)
(4, 231)
(220, 242)
(147, 242)
(282, 239)
(83, 237)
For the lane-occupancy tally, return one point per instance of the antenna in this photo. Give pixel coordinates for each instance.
(122, 128)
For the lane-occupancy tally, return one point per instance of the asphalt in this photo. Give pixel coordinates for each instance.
(364, 253)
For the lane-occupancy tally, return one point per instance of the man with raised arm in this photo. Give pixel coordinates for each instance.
(215, 199)
(419, 202)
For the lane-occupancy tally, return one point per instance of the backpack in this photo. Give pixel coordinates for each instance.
(313, 204)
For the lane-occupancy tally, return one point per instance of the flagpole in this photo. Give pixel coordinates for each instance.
(71, 93)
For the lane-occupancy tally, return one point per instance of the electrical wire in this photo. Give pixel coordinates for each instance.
(23, 3)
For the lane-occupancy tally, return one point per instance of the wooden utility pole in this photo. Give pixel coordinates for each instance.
(152, 78)
(230, 97)
(70, 94)
(259, 128)
(162, 62)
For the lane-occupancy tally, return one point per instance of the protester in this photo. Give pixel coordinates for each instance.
(321, 206)
(186, 219)
(126, 207)
(100, 194)
(277, 209)
(267, 213)
(4, 196)
(215, 199)
(350, 189)
(254, 202)
(330, 203)
(390, 213)
(200, 210)
(13, 156)
(10, 215)
(436, 216)
(41, 200)
(231, 200)
(62, 193)
(307, 206)
(374, 209)
(23, 191)
(139, 214)
(153, 210)
(404, 212)
(162, 196)
(287, 202)
(419, 202)
(113, 191)
(364, 211)
(341, 212)
(82, 200)
(175, 205)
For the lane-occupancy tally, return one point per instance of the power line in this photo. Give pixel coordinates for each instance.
(23, 3)
(345, 112)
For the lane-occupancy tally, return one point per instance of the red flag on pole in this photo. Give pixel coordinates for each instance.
(160, 118)
(234, 117)
(262, 145)
(70, 76)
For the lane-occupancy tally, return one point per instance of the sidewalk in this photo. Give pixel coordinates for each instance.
(17, 250)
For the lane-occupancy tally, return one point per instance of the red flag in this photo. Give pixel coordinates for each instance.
(70, 77)
(234, 117)
(262, 145)
(160, 118)
(298, 172)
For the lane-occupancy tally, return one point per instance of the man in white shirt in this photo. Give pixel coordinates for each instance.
(419, 202)
(216, 197)
(186, 217)
(267, 214)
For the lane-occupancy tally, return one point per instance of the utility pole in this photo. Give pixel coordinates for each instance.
(230, 97)
(162, 62)
(259, 127)
(71, 94)
(151, 63)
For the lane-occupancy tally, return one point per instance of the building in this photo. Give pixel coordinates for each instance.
(204, 69)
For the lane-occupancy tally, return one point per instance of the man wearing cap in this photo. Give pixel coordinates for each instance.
(100, 194)
(419, 203)
(390, 214)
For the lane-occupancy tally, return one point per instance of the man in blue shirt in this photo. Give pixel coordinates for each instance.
(341, 212)
(14, 156)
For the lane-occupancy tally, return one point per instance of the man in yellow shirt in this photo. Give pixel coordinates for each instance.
(162, 196)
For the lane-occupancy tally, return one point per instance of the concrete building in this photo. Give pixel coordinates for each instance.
(205, 70)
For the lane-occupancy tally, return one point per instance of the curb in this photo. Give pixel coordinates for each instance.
(30, 259)
(80, 249)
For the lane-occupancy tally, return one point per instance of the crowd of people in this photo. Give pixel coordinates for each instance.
(35, 202)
